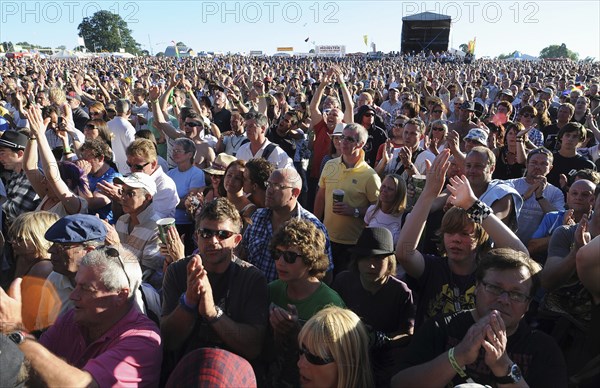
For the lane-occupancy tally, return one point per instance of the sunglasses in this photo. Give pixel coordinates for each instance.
(437, 111)
(114, 254)
(288, 256)
(314, 359)
(399, 125)
(137, 166)
(95, 113)
(369, 114)
(437, 128)
(209, 233)
(349, 139)
(192, 124)
(527, 115)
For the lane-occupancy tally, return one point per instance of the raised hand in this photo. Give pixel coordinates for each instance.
(462, 195)
(436, 174)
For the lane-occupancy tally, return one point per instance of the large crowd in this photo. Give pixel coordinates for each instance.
(277, 222)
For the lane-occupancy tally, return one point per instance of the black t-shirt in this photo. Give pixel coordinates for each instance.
(222, 119)
(439, 291)
(550, 132)
(562, 165)
(376, 138)
(285, 142)
(390, 309)
(241, 292)
(536, 353)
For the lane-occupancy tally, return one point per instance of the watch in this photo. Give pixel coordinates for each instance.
(356, 212)
(217, 317)
(514, 375)
(17, 337)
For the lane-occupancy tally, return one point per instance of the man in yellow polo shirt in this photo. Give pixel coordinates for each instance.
(343, 217)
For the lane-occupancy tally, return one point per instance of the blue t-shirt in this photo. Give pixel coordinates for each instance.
(185, 181)
(550, 222)
(104, 212)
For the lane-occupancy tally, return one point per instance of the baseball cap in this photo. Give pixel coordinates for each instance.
(477, 135)
(138, 180)
(339, 129)
(76, 228)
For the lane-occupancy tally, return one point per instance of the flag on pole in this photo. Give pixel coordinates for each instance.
(366, 39)
(471, 46)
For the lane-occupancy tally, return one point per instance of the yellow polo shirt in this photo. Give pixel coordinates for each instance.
(361, 188)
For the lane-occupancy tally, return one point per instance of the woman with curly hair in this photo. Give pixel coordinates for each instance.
(335, 351)
(300, 259)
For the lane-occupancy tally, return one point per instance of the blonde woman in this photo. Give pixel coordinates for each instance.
(32, 260)
(334, 347)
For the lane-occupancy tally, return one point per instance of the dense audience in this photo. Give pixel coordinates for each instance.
(405, 221)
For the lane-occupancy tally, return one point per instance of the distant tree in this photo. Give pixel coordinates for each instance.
(160, 54)
(556, 51)
(145, 53)
(106, 31)
(180, 44)
(506, 56)
(7, 46)
(464, 48)
(62, 47)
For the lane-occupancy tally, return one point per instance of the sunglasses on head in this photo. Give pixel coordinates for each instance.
(114, 254)
(209, 233)
(314, 359)
(137, 166)
(288, 256)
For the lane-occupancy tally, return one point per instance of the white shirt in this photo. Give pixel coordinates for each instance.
(166, 199)
(278, 157)
(124, 135)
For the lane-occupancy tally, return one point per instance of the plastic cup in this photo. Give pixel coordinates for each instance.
(163, 227)
(338, 195)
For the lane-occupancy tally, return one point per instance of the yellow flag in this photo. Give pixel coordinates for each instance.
(366, 39)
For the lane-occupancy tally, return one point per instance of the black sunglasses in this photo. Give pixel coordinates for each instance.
(209, 233)
(114, 254)
(137, 166)
(288, 256)
(314, 359)
(192, 124)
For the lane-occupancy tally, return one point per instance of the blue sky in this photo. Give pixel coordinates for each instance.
(500, 26)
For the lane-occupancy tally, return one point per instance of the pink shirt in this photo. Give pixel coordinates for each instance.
(127, 355)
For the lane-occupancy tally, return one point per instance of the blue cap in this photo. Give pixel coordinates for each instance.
(76, 228)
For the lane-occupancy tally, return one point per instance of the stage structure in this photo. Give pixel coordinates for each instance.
(425, 31)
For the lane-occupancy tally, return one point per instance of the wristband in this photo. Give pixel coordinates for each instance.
(461, 371)
(184, 305)
(539, 198)
(479, 212)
